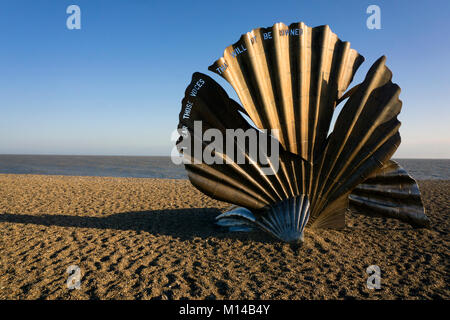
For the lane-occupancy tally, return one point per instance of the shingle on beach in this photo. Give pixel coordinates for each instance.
(141, 238)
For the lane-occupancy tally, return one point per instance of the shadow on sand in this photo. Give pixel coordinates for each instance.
(184, 224)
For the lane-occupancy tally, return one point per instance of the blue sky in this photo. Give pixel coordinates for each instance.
(115, 86)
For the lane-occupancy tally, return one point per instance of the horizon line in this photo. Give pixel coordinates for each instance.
(168, 156)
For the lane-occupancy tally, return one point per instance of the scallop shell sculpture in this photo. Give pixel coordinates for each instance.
(289, 80)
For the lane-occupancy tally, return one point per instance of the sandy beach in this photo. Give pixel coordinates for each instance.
(136, 238)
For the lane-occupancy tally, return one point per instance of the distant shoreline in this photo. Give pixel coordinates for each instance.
(144, 178)
(96, 177)
(144, 156)
(160, 166)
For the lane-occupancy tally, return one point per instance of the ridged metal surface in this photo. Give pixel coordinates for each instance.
(326, 170)
(237, 219)
(242, 184)
(364, 138)
(285, 220)
(289, 78)
(391, 192)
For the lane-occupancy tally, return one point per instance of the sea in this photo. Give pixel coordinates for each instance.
(160, 167)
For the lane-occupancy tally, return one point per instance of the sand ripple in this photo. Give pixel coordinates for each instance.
(155, 239)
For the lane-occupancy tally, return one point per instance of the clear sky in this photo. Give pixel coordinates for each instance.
(115, 86)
